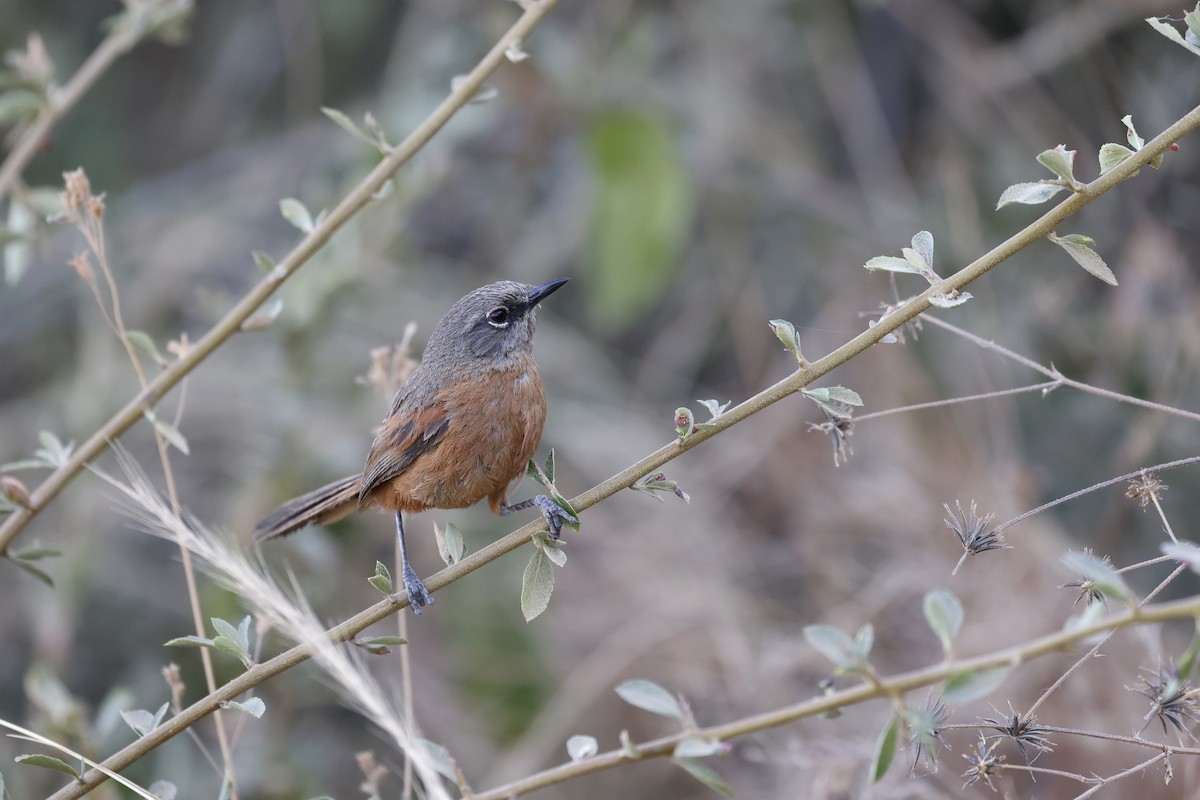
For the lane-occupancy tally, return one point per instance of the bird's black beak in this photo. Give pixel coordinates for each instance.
(539, 293)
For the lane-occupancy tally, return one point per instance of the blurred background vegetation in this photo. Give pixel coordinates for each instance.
(697, 167)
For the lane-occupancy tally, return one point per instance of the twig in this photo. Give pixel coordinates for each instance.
(1128, 476)
(1045, 388)
(1053, 373)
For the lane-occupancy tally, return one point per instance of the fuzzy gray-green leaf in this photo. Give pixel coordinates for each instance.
(537, 585)
(649, 696)
(885, 749)
(1028, 193)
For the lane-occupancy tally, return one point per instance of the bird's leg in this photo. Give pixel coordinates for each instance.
(418, 595)
(554, 514)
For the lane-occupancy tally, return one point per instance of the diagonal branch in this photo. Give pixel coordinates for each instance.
(232, 321)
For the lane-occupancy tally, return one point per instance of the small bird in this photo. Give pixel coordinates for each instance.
(461, 428)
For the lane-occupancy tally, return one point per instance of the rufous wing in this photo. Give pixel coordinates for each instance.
(400, 442)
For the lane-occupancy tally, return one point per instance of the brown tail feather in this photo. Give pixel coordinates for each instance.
(319, 507)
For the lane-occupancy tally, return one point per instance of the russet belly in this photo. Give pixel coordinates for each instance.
(494, 428)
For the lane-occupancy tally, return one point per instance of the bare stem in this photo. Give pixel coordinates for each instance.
(1053, 373)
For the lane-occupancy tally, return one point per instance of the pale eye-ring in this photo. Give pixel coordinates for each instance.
(498, 317)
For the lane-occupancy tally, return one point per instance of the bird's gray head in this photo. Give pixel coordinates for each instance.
(494, 322)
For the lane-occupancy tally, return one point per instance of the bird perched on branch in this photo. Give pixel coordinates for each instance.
(461, 428)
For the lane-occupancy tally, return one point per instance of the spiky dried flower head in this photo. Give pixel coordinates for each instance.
(984, 763)
(1146, 489)
(972, 532)
(1089, 592)
(1024, 731)
(1172, 701)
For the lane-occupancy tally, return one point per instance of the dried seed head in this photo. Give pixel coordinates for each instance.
(1171, 701)
(78, 190)
(984, 762)
(1146, 489)
(972, 531)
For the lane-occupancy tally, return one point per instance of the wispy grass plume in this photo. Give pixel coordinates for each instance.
(287, 611)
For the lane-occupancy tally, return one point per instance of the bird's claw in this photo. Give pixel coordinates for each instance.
(418, 595)
(555, 515)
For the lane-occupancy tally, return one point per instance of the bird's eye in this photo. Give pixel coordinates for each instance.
(498, 317)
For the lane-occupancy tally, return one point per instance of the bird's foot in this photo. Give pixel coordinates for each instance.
(554, 514)
(418, 595)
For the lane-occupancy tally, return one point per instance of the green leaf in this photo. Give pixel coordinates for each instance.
(535, 472)
(832, 643)
(705, 774)
(34, 571)
(697, 748)
(944, 613)
(715, 409)
(628, 748)
(382, 579)
(949, 301)
(922, 243)
(168, 431)
(1078, 248)
(1060, 161)
(263, 261)
(296, 213)
(47, 762)
(143, 722)
(17, 105)
(263, 318)
(649, 696)
(1188, 661)
(685, 423)
(346, 124)
(1135, 141)
(35, 553)
(968, 685)
(440, 757)
(641, 209)
(580, 747)
(164, 790)
(1028, 193)
(892, 264)
(189, 641)
(1183, 552)
(566, 506)
(1172, 33)
(381, 640)
(885, 749)
(254, 706)
(53, 451)
(537, 584)
(864, 640)
(1103, 575)
(786, 333)
(232, 647)
(553, 549)
(450, 543)
(1111, 155)
(225, 629)
(485, 93)
(141, 341)
(548, 469)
